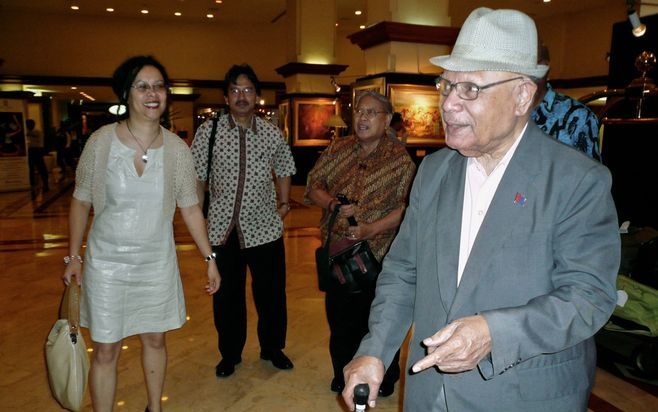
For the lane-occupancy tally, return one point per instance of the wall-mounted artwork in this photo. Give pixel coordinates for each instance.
(310, 114)
(284, 120)
(419, 106)
(370, 85)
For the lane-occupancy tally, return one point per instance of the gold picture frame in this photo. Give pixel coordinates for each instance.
(419, 106)
(309, 116)
(284, 120)
(377, 85)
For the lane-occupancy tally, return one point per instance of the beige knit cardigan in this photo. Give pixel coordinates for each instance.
(179, 175)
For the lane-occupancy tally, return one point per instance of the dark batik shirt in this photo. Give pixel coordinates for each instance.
(378, 184)
(569, 121)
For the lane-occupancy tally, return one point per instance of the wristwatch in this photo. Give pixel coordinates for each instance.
(210, 257)
(69, 259)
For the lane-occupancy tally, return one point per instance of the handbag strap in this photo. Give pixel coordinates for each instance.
(211, 145)
(70, 308)
(330, 226)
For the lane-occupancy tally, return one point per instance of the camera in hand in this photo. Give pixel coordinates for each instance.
(345, 201)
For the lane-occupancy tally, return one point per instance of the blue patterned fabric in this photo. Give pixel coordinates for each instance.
(569, 121)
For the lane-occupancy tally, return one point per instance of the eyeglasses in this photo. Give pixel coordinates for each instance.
(368, 113)
(247, 91)
(466, 90)
(143, 87)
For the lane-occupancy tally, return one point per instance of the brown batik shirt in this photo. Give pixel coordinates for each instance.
(377, 184)
(242, 192)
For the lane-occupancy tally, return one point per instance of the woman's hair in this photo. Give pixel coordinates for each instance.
(236, 71)
(124, 75)
(381, 99)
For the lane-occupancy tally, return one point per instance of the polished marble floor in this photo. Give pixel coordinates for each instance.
(33, 239)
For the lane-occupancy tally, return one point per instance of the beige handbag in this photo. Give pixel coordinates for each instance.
(66, 353)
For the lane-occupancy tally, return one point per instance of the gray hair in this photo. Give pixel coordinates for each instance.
(381, 99)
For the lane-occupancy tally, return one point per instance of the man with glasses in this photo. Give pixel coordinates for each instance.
(374, 172)
(245, 219)
(506, 259)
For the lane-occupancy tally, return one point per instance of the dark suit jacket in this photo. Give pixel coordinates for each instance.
(542, 273)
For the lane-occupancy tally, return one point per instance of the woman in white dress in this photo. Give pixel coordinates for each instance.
(134, 173)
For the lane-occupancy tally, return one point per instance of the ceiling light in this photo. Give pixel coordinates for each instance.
(363, 26)
(210, 15)
(547, 1)
(75, 8)
(74, 88)
(336, 24)
(218, 1)
(178, 14)
(358, 12)
(144, 11)
(110, 9)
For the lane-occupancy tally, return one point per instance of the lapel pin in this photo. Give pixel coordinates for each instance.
(519, 199)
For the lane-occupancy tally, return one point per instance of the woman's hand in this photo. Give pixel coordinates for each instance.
(74, 268)
(213, 278)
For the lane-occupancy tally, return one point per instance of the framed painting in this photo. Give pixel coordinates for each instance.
(284, 120)
(419, 106)
(374, 85)
(310, 115)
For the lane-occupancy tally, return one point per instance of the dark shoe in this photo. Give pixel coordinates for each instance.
(386, 389)
(278, 358)
(225, 368)
(337, 385)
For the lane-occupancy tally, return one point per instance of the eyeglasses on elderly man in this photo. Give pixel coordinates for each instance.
(466, 90)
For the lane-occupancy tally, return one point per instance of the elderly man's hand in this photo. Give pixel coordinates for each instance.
(364, 369)
(457, 347)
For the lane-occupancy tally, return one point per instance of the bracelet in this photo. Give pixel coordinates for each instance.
(210, 257)
(284, 204)
(69, 259)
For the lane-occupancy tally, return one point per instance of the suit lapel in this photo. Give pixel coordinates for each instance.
(502, 216)
(447, 231)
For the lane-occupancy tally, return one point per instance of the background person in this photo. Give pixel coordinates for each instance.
(565, 118)
(245, 220)
(35, 153)
(375, 173)
(134, 173)
(505, 268)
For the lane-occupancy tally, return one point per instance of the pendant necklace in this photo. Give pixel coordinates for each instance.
(145, 156)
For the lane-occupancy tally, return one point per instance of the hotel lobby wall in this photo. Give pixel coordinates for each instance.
(63, 45)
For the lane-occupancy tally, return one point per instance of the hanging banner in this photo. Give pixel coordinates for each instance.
(14, 170)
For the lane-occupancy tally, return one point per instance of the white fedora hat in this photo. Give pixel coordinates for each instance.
(495, 40)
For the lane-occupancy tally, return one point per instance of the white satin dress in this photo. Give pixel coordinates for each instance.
(131, 282)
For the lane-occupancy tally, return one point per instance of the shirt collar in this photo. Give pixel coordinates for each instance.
(232, 123)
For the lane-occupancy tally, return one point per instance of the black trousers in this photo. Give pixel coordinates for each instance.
(267, 265)
(347, 314)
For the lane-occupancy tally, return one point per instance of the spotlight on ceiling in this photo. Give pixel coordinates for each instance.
(336, 85)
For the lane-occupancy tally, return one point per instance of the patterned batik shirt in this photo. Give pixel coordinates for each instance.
(242, 191)
(569, 121)
(377, 184)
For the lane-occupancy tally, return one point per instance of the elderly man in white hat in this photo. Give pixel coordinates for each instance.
(506, 260)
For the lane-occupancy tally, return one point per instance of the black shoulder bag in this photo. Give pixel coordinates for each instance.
(211, 144)
(347, 266)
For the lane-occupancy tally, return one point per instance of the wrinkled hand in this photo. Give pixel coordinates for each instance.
(73, 269)
(213, 278)
(359, 232)
(364, 369)
(347, 210)
(458, 347)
